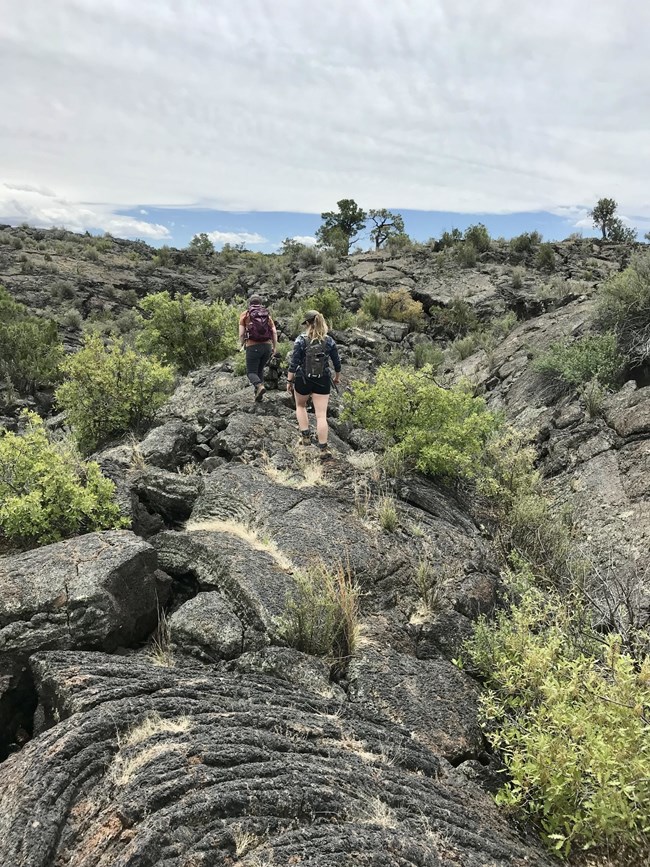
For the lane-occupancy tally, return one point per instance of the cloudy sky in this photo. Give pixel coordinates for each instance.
(247, 118)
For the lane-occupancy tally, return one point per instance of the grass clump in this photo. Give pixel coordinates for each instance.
(567, 710)
(30, 350)
(624, 308)
(545, 258)
(322, 613)
(387, 514)
(111, 390)
(592, 357)
(188, 333)
(442, 432)
(47, 493)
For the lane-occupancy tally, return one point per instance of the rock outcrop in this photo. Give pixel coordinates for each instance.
(193, 766)
(96, 591)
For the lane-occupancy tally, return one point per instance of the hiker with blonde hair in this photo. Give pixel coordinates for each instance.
(309, 376)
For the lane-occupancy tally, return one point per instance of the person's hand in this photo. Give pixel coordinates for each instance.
(289, 386)
(337, 380)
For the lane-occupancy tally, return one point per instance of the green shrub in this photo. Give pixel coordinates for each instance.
(450, 239)
(328, 302)
(518, 275)
(525, 243)
(567, 713)
(441, 431)
(624, 307)
(427, 353)
(479, 237)
(371, 305)
(47, 493)
(458, 318)
(463, 347)
(30, 350)
(329, 265)
(466, 254)
(109, 391)
(594, 356)
(187, 333)
(322, 613)
(545, 259)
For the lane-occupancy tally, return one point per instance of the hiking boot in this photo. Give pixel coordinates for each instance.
(305, 438)
(259, 392)
(325, 454)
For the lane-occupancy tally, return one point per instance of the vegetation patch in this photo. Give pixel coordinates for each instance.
(624, 308)
(188, 333)
(111, 390)
(592, 357)
(47, 493)
(567, 708)
(322, 614)
(441, 431)
(30, 350)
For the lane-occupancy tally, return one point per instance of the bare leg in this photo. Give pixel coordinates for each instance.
(301, 410)
(320, 408)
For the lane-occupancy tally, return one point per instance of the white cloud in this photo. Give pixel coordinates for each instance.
(428, 104)
(308, 240)
(21, 203)
(221, 238)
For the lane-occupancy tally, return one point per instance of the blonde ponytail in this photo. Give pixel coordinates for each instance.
(317, 328)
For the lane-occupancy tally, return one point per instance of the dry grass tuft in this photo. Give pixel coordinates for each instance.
(123, 770)
(160, 652)
(380, 814)
(309, 473)
(154, 725)
(248, 534)
(322, 614)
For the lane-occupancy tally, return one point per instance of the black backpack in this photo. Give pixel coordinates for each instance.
(315, 358)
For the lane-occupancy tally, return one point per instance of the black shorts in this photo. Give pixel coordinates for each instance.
(320, 385)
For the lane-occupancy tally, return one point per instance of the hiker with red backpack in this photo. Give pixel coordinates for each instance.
(257, 333)
(309, 375)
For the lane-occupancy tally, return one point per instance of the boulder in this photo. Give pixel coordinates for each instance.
(170, 445)
(101, 591)
(148, 766)
(207, 626)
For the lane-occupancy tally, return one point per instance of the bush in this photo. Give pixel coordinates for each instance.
(466, 254)
(624, 308)
(187, 333)
(30, 350)
(328, 302)
(371, 305)
(450, 239)
(525, 243)
(47, 493)
(109, 391)
(428, 354)
(545, 259)
(518, 275)
(593, 357)
(441, 431)
(458, 318)
(322, 614)
(566, 711)
(400, 307)
(479, 237)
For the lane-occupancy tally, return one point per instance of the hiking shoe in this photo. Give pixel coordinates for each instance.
(305, 439)
(259, 392)
(325, 454)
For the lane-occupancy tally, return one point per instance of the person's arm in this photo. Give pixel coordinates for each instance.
(294, 362)
(242, 330)
(336, 361)
(274, 331)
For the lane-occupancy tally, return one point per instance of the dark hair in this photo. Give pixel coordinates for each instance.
(254, 299)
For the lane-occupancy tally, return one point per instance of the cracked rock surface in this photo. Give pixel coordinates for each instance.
(193, 766)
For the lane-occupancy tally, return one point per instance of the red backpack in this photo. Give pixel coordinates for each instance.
(258, 324)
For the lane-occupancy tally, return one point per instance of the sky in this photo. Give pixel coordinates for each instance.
(245, 119)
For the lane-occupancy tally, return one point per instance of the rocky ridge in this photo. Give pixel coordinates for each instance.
(247, 752)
